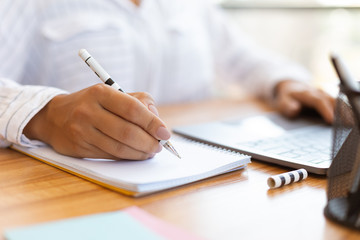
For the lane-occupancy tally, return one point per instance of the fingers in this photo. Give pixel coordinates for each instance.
(133, 110)
(318, 100)
(105, 147)
(124, 133)
(289, 106)
(128, 129)
(292, 96)
(100, 122)
(114, 151)
(147, 100)
(87, 141)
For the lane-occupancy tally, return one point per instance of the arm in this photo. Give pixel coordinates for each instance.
(285, 84)
(18, 103)
(95, 122)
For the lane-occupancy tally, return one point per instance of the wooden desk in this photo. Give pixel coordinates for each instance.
(232, 206)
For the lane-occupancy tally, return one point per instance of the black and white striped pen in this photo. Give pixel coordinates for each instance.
(105, 77)
(287, 178)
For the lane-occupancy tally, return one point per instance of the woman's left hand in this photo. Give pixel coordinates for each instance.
(293, 96)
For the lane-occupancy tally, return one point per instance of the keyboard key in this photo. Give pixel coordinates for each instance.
(305, 145)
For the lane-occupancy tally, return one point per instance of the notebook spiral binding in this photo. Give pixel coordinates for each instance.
(211, 146)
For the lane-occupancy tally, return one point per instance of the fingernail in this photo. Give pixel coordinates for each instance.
(163, 134)
(153, 109)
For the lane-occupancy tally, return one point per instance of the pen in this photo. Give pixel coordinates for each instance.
(287, 178)
(105, 77)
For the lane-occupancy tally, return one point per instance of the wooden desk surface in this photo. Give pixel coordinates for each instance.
(232, 206)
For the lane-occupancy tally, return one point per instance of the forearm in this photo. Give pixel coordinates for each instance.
(259, 70)
(239, 59)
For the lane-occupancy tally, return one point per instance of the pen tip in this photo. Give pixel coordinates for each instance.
(175, 152)
(171, 148)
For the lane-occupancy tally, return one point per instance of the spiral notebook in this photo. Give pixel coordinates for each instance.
(137, 178)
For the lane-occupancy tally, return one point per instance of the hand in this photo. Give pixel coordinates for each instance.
(100, 122)
(292, 96)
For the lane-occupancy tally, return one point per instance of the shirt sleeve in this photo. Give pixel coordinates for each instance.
(240, 59)
(19, 103)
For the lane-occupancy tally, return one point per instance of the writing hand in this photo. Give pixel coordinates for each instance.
(100, 122)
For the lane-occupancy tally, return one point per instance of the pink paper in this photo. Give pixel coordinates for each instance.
(162, 228)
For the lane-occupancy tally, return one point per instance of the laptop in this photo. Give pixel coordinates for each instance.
(296, 143)
(305, 142)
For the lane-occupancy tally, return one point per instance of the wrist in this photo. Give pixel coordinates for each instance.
(39, 127)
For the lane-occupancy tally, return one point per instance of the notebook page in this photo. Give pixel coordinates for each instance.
(197, 159)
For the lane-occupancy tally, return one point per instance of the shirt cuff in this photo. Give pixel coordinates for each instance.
(32, 103)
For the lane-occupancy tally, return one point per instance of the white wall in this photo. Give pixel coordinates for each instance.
(306, 36)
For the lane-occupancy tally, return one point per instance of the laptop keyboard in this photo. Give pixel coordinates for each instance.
(311, 144)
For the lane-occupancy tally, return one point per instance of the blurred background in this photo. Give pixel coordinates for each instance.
(305, 31)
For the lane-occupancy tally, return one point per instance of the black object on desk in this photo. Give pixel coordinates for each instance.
(343, 190)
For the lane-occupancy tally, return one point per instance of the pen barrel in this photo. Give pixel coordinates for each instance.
(98, 70)
(113, 84)
(287, 178)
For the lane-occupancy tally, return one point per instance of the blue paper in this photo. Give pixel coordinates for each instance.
(107, 226)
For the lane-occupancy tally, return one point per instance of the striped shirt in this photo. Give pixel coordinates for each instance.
(173, 49)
